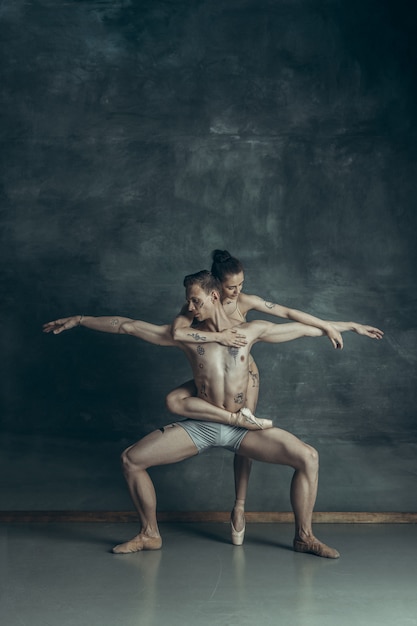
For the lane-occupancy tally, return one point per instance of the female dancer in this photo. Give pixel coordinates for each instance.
(188, 402)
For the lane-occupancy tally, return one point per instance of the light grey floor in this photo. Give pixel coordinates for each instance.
(64, 575)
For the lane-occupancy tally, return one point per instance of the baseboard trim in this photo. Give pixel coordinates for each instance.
(319, 517)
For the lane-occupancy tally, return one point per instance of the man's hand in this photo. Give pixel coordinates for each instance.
(66, 323)
(335, 337)
(232, 338)
(368, 331)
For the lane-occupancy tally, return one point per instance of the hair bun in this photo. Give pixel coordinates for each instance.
(224, 264)
(220, 256)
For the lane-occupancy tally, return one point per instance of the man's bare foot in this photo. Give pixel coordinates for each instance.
(244, 418)
(137, 544)
(314, 546)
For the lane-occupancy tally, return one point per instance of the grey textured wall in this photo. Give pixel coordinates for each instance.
(137, 137)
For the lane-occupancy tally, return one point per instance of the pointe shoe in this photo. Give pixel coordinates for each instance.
(237, 535)
(246, 419)
(314, 546)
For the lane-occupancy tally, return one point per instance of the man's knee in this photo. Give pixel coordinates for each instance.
(311, 457)
(129, 461)
(307, 459)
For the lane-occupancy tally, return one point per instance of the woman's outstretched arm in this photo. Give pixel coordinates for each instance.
(250, 302)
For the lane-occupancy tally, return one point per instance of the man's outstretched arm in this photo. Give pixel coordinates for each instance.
(152, 333)
(278, 333)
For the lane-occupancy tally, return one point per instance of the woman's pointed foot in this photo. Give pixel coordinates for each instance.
(244, 418)
(237, 535)
(237, 521)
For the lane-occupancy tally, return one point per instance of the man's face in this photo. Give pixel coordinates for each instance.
(199, 302)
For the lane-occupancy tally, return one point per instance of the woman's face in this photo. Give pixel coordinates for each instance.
(232, 285)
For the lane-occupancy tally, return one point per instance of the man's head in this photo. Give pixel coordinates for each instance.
(202, 291)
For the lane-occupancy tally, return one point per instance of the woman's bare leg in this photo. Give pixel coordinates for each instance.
(184, 401)
(241, 464)
(161, 447)
(242, 468)
(281, 447)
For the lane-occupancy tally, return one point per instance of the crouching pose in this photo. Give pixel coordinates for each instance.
(221, 377)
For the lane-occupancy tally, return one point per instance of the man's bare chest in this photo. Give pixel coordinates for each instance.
(213, 356)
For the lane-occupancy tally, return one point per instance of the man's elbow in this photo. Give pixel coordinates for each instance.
(177, 332)
(126, 328)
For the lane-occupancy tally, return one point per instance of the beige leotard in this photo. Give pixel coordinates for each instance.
(239, 317)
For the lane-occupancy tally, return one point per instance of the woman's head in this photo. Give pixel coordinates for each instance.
(229, 271)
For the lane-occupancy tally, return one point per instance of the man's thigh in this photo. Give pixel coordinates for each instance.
(274, 445)
(169, 444)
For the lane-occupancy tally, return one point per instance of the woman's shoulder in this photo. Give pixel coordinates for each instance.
(232, 311)
(246, 302)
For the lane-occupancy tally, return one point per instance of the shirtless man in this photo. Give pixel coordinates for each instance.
(221, 376)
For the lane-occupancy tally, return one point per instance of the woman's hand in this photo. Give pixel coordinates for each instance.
(232, 338)
(368, 331)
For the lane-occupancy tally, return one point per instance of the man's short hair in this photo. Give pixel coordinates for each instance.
(205, 280)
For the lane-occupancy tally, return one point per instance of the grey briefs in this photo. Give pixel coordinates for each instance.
(207, 435)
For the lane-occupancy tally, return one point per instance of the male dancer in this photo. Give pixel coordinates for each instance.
(221, 376)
